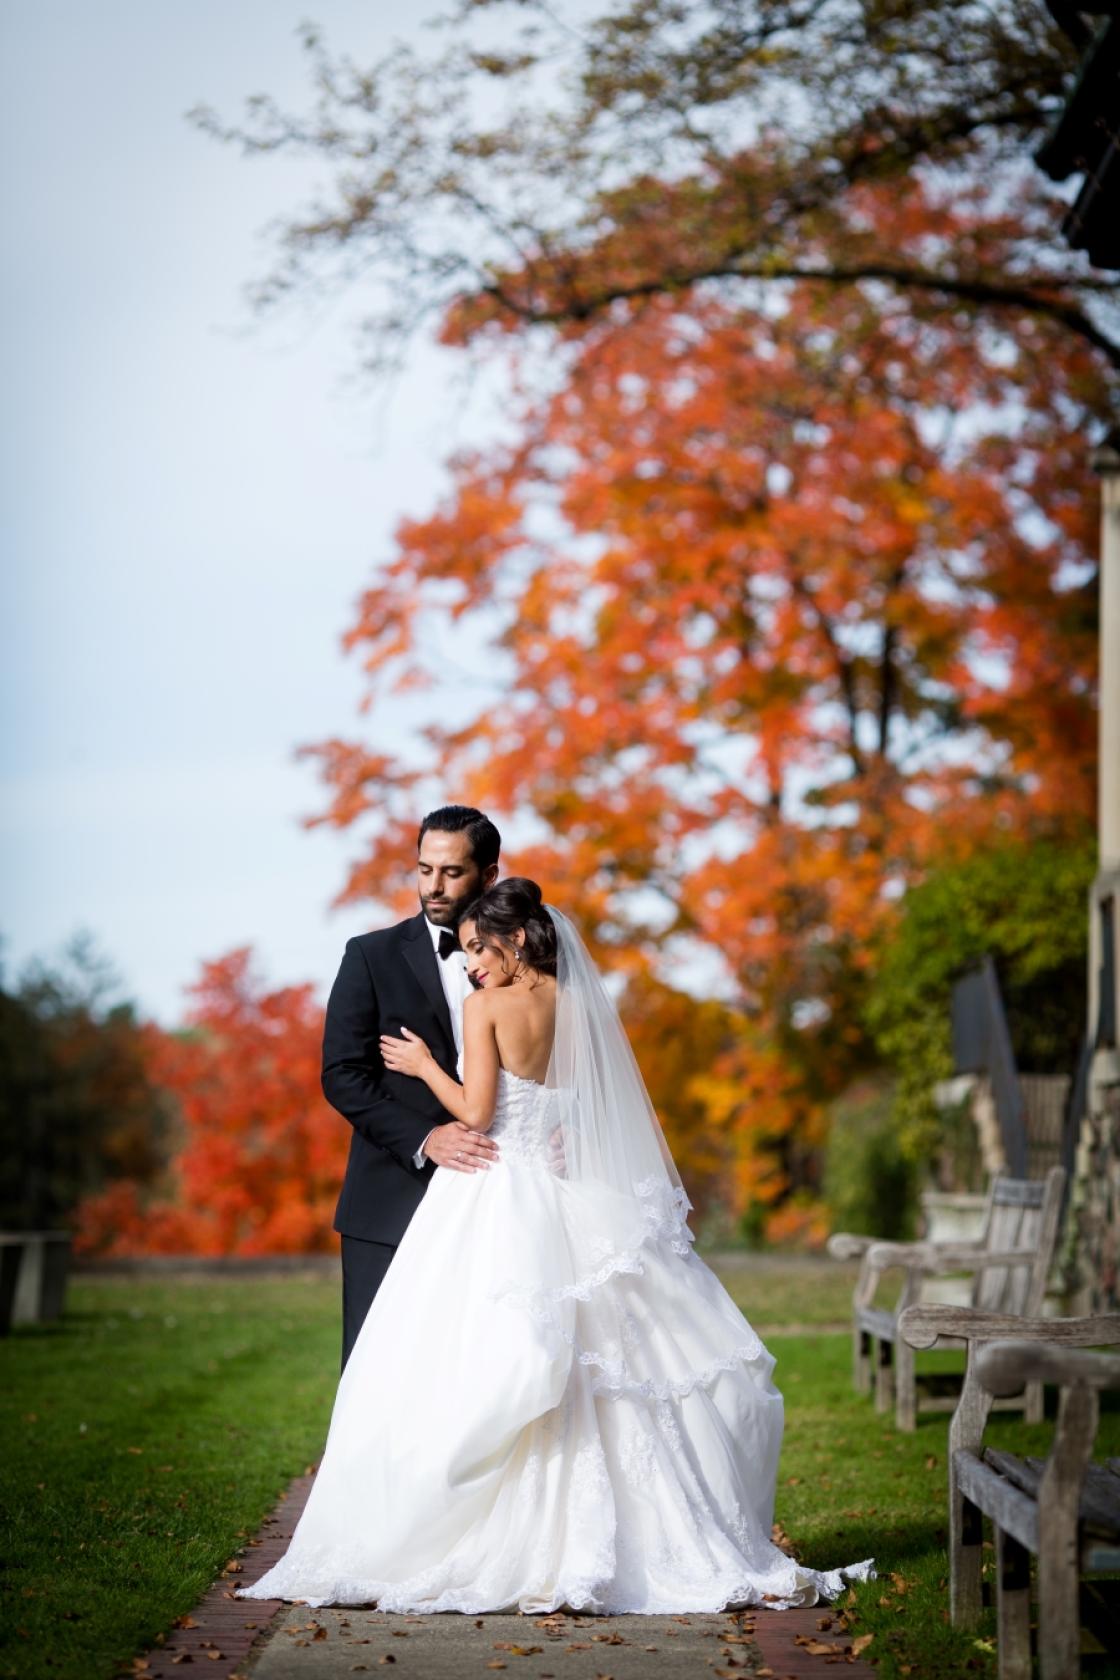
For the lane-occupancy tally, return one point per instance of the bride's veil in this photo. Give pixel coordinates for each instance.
(611, 1134)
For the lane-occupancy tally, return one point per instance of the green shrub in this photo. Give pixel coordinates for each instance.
(1025, 904)
(870, 1184)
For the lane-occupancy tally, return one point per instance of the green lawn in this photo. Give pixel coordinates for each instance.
(150, 1431)
(145, 1436)
(786, 1292)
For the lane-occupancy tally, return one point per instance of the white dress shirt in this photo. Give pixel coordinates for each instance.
(453, 979)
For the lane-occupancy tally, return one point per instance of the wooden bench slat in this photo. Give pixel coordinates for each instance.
(1100, 1502)
(1099, 1556)
(1015, 1511)
(878, 1321)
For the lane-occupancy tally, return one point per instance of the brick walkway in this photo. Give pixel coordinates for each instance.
(272, 1640)
(221, 1630)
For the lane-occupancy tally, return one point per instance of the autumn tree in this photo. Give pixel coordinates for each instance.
(783, 582)
(78, 1105)
(532, 166)
(261, 1154)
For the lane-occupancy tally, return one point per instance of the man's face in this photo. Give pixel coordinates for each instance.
(447, 877)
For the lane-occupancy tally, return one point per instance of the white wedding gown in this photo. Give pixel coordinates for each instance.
(616, 1451)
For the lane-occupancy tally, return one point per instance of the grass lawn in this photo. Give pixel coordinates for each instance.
(146, 1435)
(786, 1291)
(150, 1432)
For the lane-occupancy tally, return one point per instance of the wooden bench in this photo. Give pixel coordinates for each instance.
(1064, 1509)
(1009, 1266)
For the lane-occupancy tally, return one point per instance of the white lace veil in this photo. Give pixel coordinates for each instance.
(612, 1136)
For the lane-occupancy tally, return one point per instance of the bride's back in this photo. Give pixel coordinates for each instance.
(524, 1027)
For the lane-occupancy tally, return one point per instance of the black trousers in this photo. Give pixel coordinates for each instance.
(364, 1265)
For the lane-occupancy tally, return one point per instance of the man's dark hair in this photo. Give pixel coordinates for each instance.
(486, 842)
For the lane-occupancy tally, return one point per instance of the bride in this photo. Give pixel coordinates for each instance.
(553, 1402)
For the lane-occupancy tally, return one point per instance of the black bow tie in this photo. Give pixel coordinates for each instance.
(448, 942)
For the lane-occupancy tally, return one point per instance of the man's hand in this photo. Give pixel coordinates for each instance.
(458, 1146)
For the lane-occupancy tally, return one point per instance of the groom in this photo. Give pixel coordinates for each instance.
(412, 975)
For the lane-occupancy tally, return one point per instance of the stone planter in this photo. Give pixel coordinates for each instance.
(955, 1216)
(33, 1270)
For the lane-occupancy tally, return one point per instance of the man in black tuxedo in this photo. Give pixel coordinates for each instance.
(412, 975)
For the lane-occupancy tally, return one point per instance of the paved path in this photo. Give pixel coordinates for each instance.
(331, 1644)
(270, 1640)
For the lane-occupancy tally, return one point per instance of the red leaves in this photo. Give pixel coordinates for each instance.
(263, 1153)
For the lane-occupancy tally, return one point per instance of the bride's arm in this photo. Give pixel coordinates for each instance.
(473, 1101)
(480, 1061)
(410, 1055)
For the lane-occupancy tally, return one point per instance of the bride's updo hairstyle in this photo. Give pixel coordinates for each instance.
(507, 907)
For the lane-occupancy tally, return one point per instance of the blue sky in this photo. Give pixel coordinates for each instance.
(192, 503)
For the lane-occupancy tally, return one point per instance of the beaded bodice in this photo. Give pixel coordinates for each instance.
(525, 1116)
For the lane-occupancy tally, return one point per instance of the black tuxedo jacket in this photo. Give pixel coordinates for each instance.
(388, 980)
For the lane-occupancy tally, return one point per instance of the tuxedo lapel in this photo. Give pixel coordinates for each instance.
(421, 958)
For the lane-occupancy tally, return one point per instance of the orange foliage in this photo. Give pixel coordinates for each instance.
(262, 1153)
(784, 607)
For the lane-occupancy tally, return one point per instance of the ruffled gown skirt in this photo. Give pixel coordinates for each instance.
(515, 1431)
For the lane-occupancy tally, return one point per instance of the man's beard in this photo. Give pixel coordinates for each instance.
(443, 915)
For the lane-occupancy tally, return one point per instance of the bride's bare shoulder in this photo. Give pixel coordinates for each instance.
(478, 1002)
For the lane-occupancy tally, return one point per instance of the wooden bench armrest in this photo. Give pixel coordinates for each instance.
(922, 1324)
(945, 1257)
(845, 1245)
(1004, 1367)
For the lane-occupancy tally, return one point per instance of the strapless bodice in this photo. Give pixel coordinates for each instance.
(525, 1116)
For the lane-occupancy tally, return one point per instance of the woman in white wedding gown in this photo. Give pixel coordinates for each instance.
(553, 1402)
